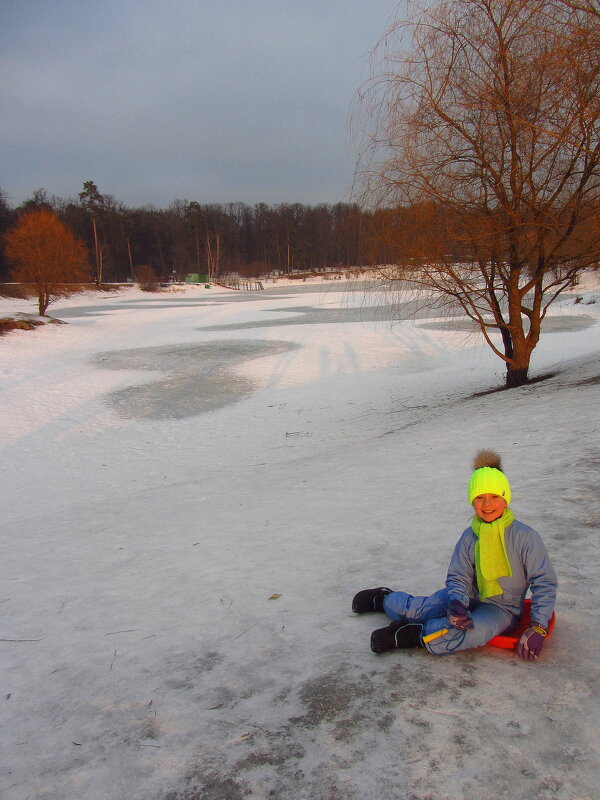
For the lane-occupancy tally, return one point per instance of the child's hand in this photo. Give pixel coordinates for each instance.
(459, 616)
(531, 642)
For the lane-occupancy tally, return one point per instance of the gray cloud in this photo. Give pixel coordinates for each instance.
(208, 100)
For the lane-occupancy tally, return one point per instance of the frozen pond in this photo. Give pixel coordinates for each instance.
(195, 378)
(213, 297)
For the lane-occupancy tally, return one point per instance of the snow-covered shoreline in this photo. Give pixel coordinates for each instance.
(175, 615)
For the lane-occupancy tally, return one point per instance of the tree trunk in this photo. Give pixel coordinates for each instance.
(43, 303)
(517, 367)
(98, 276)
(130, 259)
(516, 377)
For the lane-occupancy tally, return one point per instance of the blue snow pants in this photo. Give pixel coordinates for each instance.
(488, 620)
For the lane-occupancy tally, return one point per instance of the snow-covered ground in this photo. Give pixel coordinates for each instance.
(194, 485)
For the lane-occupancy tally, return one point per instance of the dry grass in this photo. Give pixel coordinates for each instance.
(8, 324)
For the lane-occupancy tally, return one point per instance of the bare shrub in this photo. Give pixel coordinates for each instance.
(147, 278)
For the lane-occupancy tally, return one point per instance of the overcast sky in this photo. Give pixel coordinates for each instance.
(207, 100)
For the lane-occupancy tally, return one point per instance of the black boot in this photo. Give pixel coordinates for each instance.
(369, 600)
(398, 634)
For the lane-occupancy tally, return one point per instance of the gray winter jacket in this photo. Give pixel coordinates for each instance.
(531, 569)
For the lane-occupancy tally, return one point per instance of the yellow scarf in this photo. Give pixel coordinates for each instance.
(491, 561)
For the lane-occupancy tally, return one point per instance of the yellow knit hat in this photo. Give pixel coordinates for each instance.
(488, 477)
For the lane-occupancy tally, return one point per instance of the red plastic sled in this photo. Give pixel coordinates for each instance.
(511, 640)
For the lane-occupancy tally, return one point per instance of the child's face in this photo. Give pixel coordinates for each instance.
(489, 507)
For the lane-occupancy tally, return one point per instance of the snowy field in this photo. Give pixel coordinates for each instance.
(195, 484)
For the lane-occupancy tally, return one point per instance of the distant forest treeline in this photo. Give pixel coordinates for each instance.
(215, 239)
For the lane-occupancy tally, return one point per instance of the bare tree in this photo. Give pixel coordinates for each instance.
(94, 203)
(213, 254)
(45, 254)
(489, 118)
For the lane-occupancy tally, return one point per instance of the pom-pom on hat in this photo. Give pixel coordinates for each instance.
(488, 477)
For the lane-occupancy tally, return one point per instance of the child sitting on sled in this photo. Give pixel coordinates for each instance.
(496, 560)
